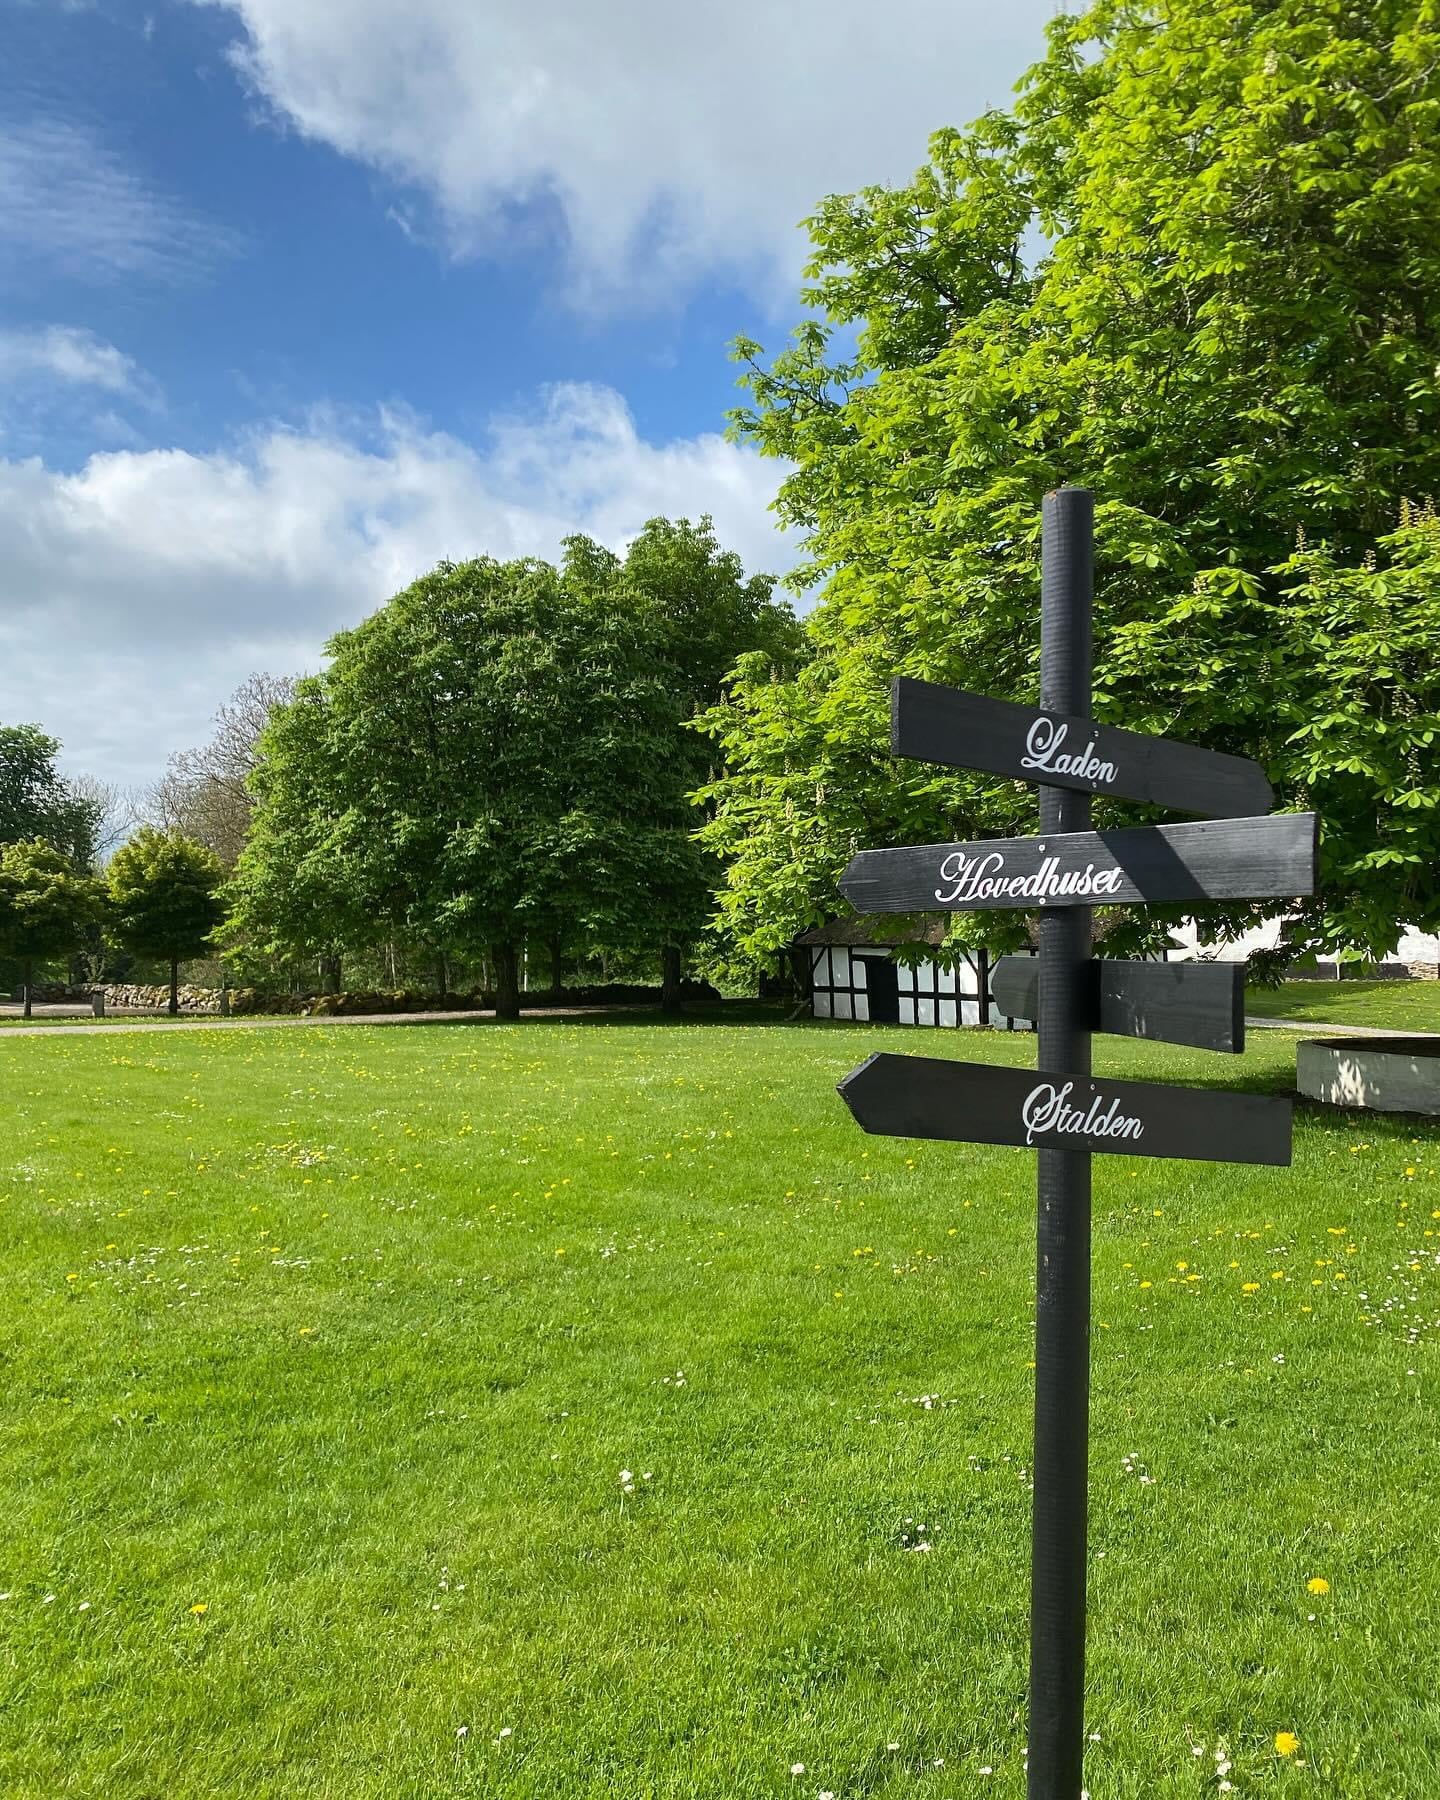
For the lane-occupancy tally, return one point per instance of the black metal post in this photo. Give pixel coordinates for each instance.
(1062, 1317)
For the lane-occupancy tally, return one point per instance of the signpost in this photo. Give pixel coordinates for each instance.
(1202, 1004)
(967, 731)
(1061, 1110)
(1216, 859)
(978, 1103)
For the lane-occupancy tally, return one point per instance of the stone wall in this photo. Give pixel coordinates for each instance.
(136, 997)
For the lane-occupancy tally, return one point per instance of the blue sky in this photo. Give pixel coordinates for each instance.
(297, 296)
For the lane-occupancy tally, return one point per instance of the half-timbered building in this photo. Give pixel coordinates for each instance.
(855, 973)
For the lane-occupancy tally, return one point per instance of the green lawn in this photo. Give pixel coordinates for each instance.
(1392, 1005)
(325, 1350)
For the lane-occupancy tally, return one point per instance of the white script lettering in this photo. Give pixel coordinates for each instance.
(1048, 1109)
(975, 879)
(1044, 740)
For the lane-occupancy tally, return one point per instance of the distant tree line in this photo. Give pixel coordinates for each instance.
(491, 782)
(497, 767)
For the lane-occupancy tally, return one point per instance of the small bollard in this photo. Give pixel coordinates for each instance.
(97, 1003)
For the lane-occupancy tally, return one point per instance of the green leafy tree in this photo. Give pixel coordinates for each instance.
(298, 890)
(1190, 268)
(46, 905)
(702, 614)
(37, 802)
(164, 898)
(477, 768)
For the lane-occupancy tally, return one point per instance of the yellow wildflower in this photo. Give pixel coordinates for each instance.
(1317, 1584)
(1286, 1743)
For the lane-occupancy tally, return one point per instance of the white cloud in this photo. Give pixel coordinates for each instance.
(70, 204)
(671, 139)
(68, 354)
(143, 588)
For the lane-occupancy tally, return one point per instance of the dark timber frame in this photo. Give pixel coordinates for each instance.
(923, 984)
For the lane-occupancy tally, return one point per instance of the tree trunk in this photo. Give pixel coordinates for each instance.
(443, 974)
(331, 974)
(29, 983)
(670, 981)
(557, 964)
(174, 986)
(507, 982)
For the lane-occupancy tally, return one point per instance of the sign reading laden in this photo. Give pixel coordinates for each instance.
(969, 731)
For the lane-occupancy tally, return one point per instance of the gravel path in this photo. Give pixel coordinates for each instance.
(469, 1017)
(1318, 1030)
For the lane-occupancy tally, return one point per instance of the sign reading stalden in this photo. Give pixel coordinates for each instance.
(982, 1103)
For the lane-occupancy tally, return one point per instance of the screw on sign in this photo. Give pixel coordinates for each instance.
(1234, 851)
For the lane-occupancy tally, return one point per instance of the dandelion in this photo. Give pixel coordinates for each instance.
(1286, 1743)
(199, 1609)
(1317, 1584)
(797, 1768)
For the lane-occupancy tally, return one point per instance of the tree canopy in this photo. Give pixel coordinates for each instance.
(46, 905)
(501, 756)
(701, 614)
(1190, 268)
(36, 801)
(164, 897)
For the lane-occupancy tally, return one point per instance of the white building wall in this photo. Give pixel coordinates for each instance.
(927, 995)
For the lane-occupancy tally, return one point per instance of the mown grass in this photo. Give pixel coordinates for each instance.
(1390, 1005)
(325, 1349)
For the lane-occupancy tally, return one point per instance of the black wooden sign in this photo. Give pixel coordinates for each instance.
(979, 1103)
(1213, 859)
(968, 731)
(1174, 1003)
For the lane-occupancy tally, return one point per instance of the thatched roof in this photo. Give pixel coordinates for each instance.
(872, 933)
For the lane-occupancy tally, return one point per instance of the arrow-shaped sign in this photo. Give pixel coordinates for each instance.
(1174, 1003)
(977, 1103)
(1215, 859)
(969, 731)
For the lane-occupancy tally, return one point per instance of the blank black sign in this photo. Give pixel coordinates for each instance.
(1214, 859)
(1174, 1003)
(969, 731)
(977, 1103)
